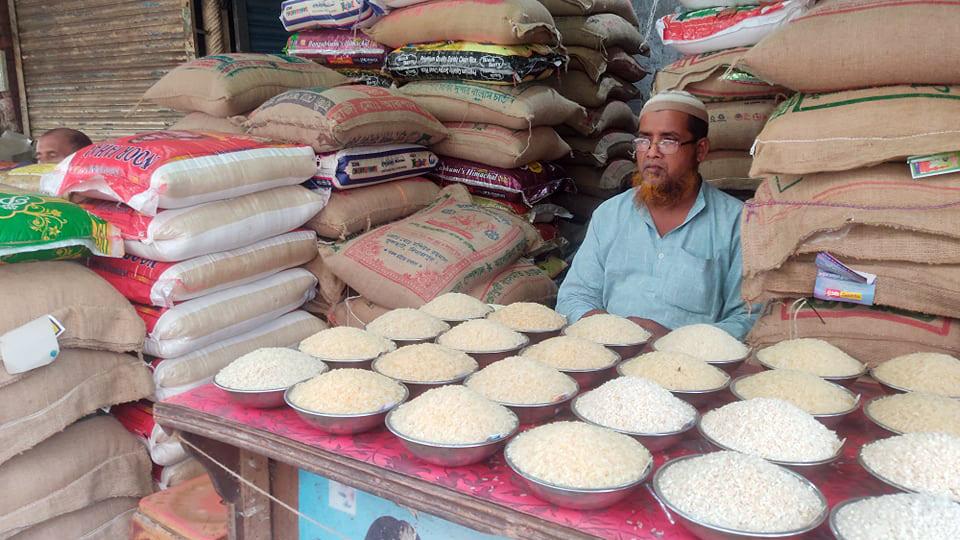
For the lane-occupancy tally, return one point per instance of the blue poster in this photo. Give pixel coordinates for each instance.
(346, 513)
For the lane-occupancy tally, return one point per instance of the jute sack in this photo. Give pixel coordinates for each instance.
(359, 210)
(730, 170)
(884, 244)
(155, 283)
(934, 289)
(513, 107)
(330, 288)
(598, 152)
(202, 365)
(872, 334)
(201, 322)
(39, 403)
(501, 147)
(225, 85)
(600, 32)
(623, 8)
(520, 282)
(614, 60)
(502, 22)
(94, 314)
(331, 120)
(859, 128)
(872, 43)
(106, 520)
(91, 461)
(603, 183)
(577, 86)
(613, 116)
(787, 211)
(711, 77)
(198, 121)
(735, 125)
(451, 245)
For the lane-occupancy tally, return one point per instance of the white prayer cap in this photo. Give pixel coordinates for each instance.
(677, 100)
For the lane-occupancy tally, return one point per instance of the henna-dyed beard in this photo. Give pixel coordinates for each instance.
(666, 194)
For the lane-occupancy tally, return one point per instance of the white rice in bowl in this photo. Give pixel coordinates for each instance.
(933, 373)
(771, 429)
(347, 391)
(917, 412)
(453, 415)
(703, 341)
(528, 317)
(805, 390)
(675, 371)
(480, 336)
(521, 381)
(635, 405)
(346, 343)
(607, 329)
(579, 456)
(571, 354)
(737, 491)
(269, 369)
(407, 324)
(923, 462)
(425, 363)
(903, 516)
(814, 356)
(456, 307)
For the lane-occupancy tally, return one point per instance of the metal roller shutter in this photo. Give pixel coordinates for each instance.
(86, 63)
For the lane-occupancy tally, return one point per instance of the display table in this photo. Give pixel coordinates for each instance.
(271, 449)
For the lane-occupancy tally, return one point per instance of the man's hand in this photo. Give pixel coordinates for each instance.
(656, 329)
(593, 312)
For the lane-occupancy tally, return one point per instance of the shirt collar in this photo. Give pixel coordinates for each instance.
(699, 205)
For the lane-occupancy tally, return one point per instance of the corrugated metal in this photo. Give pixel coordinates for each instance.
(264, 29)
(86, 63)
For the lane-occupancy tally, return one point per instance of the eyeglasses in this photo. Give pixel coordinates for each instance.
(665, 146)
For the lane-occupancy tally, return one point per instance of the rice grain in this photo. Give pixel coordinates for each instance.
(675, 371)
(347, 391)
(922, 462)
(637, 406)
(346, 343)
(453, 415)
(456, 307)
(805, 390)
(481, 335)
(703, 341)
(903, 516)
(425, 363)
(814, 356)
(933, 373)
(607, 329)
(521, 381)
(571, 353)
(269, 368)
(917, 413)
(528, 317)
(407, 324)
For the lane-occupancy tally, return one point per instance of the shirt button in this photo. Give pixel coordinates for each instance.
(660, 256)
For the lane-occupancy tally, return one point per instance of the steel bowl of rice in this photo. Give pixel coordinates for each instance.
(407, 326)
(425, 366)
(346, 347)
(708, 343)
(931, 373)
(259, 379)
(452, 426)
(536, 321)
(456, 308)
(829, 403)
(588, 362)
(535, 392)
(690, 379)
(346, 401)
(485, 340)
(814, 356)
(620, 335)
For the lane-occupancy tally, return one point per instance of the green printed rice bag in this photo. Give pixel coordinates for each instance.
(36, 228)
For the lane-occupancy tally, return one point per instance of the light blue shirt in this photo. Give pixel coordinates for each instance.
(691, 275)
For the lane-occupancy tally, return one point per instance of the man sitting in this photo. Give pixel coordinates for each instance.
(667, 253)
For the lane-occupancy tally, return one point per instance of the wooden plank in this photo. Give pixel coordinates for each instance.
(285, 486)
(251, 513)
(410, 492)
(18, 64)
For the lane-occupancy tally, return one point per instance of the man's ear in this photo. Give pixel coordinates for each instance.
(703, 148)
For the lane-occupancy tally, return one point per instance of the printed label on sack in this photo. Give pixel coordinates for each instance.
(838, 282)
(703, 23)
(133, 276)
(32, 345)
(468, 61)
(336, 48)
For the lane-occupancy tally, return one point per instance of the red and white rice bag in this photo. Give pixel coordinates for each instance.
(163, 284)
(717, 28)
(198, 323)
(176, 169)
(177, 375)
(185, 233)
(526, 185)
(337, 48)
(368, 165)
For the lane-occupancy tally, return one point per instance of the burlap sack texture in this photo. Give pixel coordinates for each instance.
(872, 335)
(872, 43)
(787, 211)
(567, 8)
(735, 125)
(703, 75)
(578, 87)
(106, 520)
(517, 108)
(501, 147)
(599, 32)
(338, 118)
(91, 461)
(40, 403)
(226, 85)
(599, 152)
(812, 133)
(603, 183)
(612, 116)
(198, 121)
(612, 60)
(94, 314)
(730, 170)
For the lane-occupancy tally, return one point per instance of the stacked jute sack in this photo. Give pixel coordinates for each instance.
(872, 92)
(602, 38)
(65, 475)
(714, 35)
